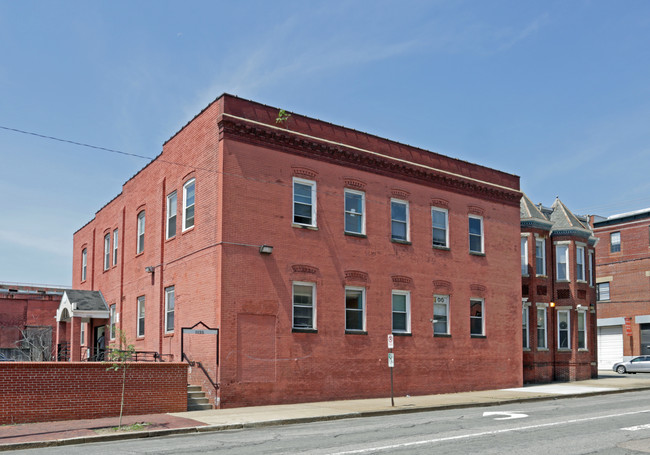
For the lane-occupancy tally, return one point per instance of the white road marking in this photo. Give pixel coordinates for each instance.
(506, 415)
(560, 389)
(637, 428)
(485, 433)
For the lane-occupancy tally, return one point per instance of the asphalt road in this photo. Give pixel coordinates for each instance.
(606, 424)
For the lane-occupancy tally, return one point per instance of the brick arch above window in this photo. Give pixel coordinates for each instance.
(442, 286)
(402, 282)
(190, 175)
(356, 276)
(437, 202)
(303, 172)
(475, 210)
(478, 290)
(355, 184)
(399, 193)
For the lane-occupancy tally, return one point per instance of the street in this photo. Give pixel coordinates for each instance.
(606, 424)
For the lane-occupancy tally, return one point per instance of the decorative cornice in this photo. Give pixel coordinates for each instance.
(354, 184)
(356, 275)
(535, 223)
(303, 268)
(287, 141)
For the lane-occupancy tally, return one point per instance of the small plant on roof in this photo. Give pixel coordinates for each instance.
(120, 356)
(282, 117)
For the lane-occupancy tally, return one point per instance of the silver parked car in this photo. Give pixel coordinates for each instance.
(639, 364)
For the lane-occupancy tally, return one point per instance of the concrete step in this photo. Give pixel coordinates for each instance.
(199, 407)
(196, 399)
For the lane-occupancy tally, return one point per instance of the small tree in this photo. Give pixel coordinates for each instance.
(282, 117)
(120, 356)
(38, 341)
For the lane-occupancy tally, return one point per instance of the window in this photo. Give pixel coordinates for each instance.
(304, 202)
(591, 268)
(169, 309)
(355, 308)
(399, 220)
(580, 263)
(541, 328)
(476, 320)
(582, 330)
(563, 324)
(82, 333)
(111, 321)
(355, 222)
(304, 305)
(475, 234)
(140, 312)
(107, 251)
(524, 256)
(562, 258)
(401, 302)
(171, 215)
(540, 257)
(188, 204)
(602, 291)
(441, 315)
(439, 222)
(614, 242)
(84, 263)
(140, 246)
(115, 237)
(524, 326)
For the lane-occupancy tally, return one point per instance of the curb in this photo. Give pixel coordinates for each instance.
(293, 421)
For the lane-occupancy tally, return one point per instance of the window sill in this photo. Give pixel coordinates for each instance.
(299, 330)
(355, 332)
(478, 336)
(562, 281)
(526, 349)
(441, 248)
(583, 350)
(185, 231)
(442, 335)
(170, 238)
(139, 338)
(541, 276)
(525, 275)
(304, 226)
(402, 242)
(581, 281)
(355, 234)
(603, 301)
(542, 349)
(476, 253)
(564, 350)
(139, 254)
(402, 334)
(168, 334)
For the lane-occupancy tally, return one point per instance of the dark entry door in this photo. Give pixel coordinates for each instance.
(645, 339)
(99, 344)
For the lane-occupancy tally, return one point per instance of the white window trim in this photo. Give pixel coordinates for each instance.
(525, 316)
(445, 301)
(142, 217)
(544, 307)
(599, 294)
(171, 213)
(580, 254)
(363, 306)
(568, 313)
(112, 321)
(167, 292)
(591, 268)
(82, 333)
(185, 206)
(84, 264)
(543, 257)
(313, 303)
(408, 311)
(582, 313)
(446, 212)
(611, 244)
(115, 244)
(141, 302)
(312, 184)
(480, 218)
(107, 251)
(557, 262)
(524, 254)
(363, 210)
(408, 220)
(482, 334)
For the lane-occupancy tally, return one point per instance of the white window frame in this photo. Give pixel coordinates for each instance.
(544, 310)
(112, 320)
(107, 251)
(115, 243)
(568, 329)
(170, 290)
(591, 268)
(84, 264)
(525, 325)
(406, 221)
(82, 333)
(524, 255)
(140, 316)
(172, 207)
(541, 245)
(615, 242)
(445, 212)
(363, 308)
(482, 301)
(294, 305)
(441, 301)
(558, 262)
(599, 292)
(187, 206)
(580, 263)
(582, 334)
(481, 235)
(141, 230)
(312, 204)
(352, 213)
(407, 311)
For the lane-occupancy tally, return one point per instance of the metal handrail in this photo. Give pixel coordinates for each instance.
(200, 365)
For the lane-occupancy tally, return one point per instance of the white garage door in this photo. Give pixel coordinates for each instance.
(610, 346)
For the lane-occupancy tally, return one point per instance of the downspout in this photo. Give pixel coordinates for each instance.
(163, 233)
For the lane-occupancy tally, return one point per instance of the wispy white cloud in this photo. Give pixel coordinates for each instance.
(57, 246)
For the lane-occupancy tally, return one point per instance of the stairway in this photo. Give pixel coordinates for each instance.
(196, 399)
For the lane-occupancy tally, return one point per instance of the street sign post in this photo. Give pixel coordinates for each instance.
(391, 365)
(390, 341)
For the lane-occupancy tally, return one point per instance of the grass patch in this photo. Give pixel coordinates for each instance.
(138, 426)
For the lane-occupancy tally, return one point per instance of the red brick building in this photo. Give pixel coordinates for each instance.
(623, 280)
(305, 244)
(559, 311)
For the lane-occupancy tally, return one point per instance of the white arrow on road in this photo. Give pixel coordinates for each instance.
(505, 415)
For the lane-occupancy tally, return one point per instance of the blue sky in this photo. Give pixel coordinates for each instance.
(556, 92)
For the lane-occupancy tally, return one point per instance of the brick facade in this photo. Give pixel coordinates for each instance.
(48, 391)
(244, 167)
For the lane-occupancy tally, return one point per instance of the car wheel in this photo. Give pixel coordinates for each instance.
(620, 369)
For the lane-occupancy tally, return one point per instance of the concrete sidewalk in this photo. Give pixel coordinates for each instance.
(46, 434)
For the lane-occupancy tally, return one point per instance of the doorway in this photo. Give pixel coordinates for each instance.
(99, 344)
(645, 339)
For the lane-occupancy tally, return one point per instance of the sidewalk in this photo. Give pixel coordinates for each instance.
(46, 434)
